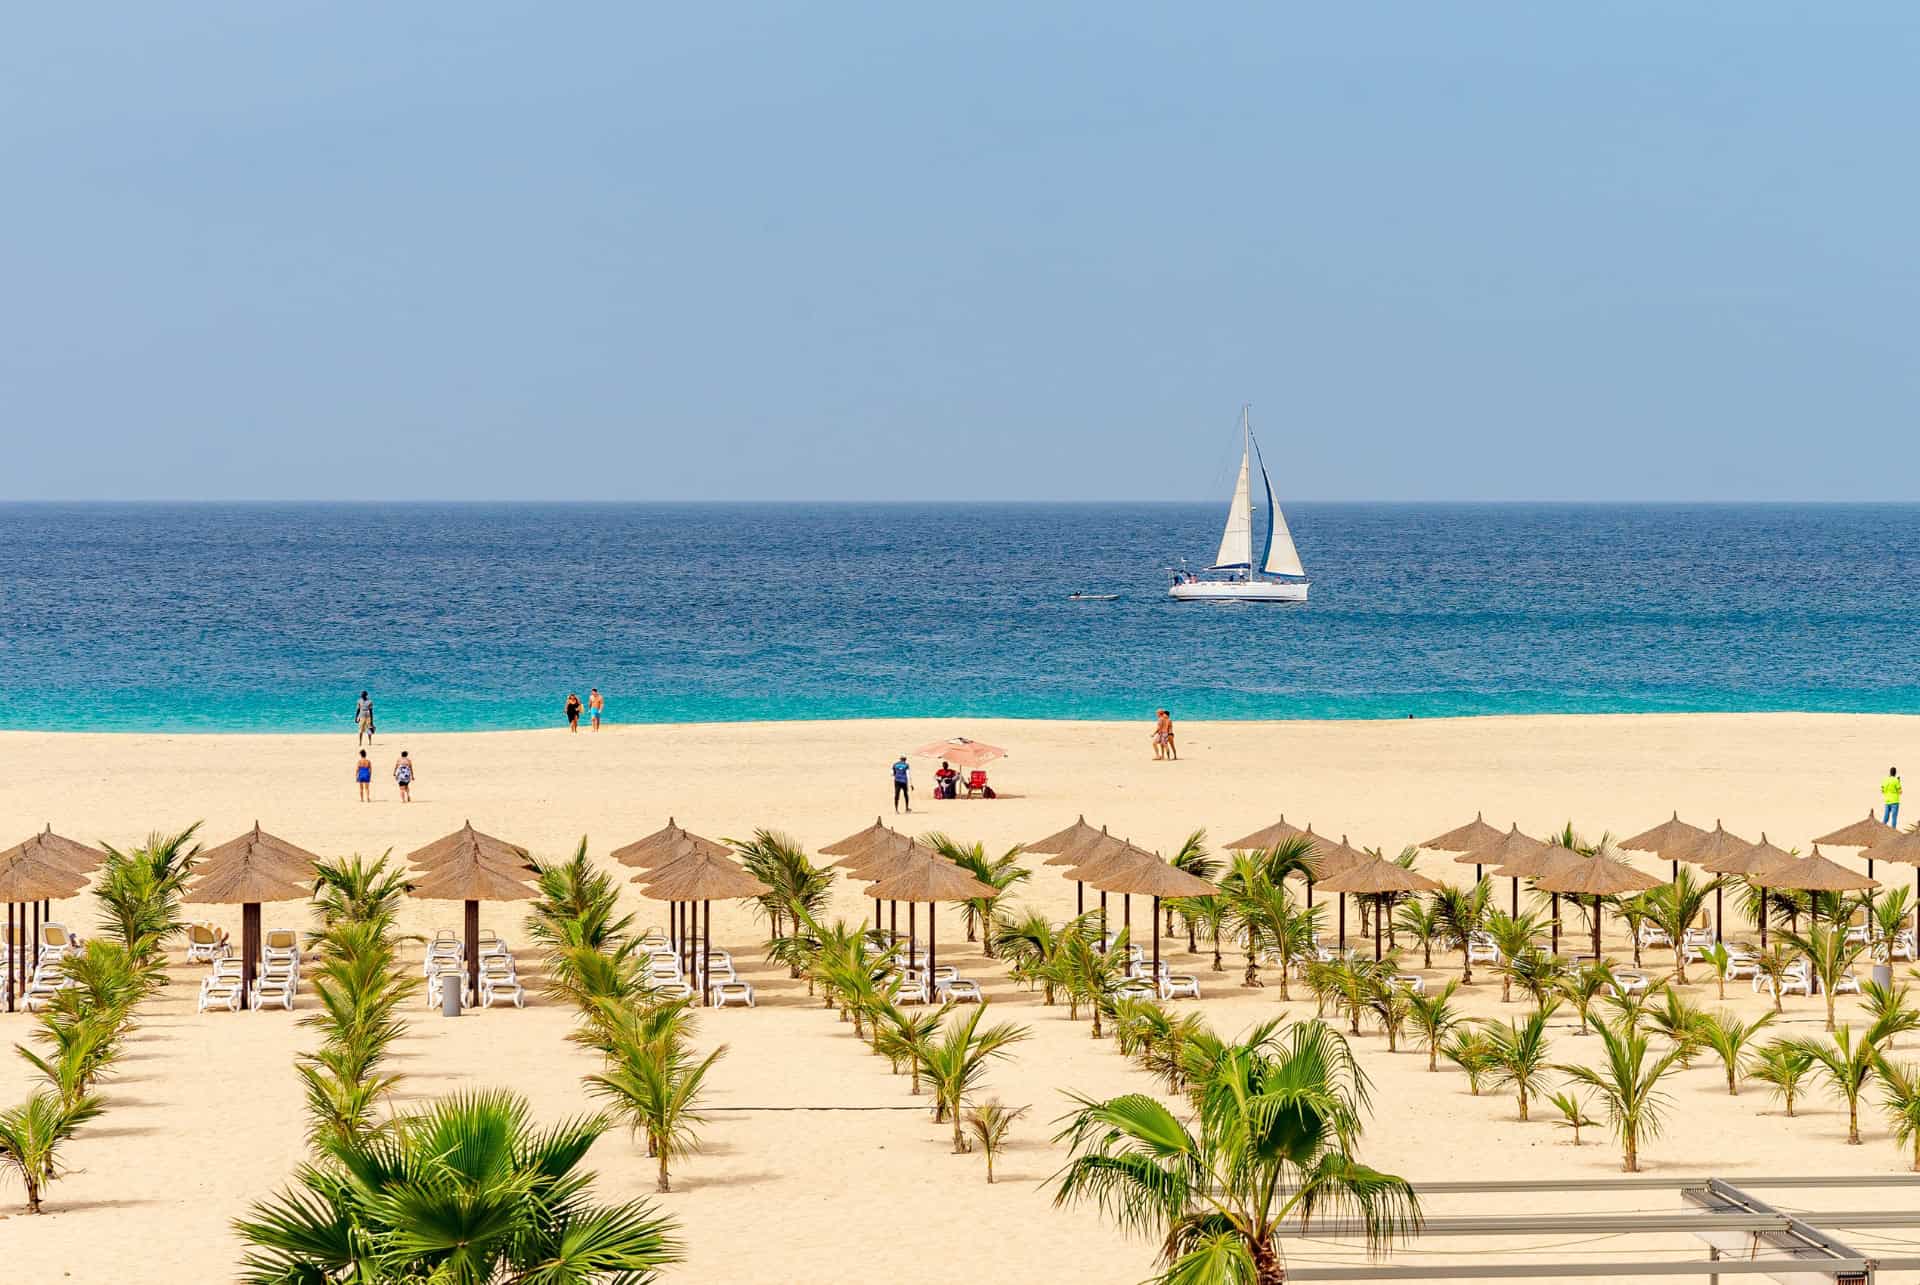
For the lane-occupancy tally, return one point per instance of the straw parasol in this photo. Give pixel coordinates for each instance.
(32, 874)
(1103, 862)
(1864, 833)
(470, 867)
(1536, 866)
(1465, 838)
(1721, 854)
(1812, 873)
(961, 750)
(1079, 852)
(856, 843)
(1504, 851)
(665, 842)
(247, 872)
(1596, 876)
(1155, 878)
(932, 882)
(258, 847)
(698, 880)
(1902, 846)
(1328, 859)
(1268, 836)
(885, 857)
(1061, 840)
(1379, 879)
(1672, 840)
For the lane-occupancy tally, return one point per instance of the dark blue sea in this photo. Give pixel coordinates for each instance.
(242, 617)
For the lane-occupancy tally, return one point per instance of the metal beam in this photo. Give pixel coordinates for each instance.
(1562, 1270)
(1557, 1224)
(1649, 1182)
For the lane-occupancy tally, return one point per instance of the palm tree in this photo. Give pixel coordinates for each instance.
(31, 1135)
(1536, 972)
(1512, 936)
(1415, 918)
(989, 1122)
(468, 1190)
(1629, 1085)
(578, 906)
(1887, 919)
(796, 888)
(1462, 912)
(1728, 1037)
(905, 1037)
(1771, 967)
(655, 1086)
(358, 891)
(957, 1062)
(1030, 943)
(1435, 1017)
(1573, 1113)
(1900, 1099)
(1390, 1002)
(1582, 985)
(1273, 1141)
(1887, 1006)
(1684, 1024)
(1847, 1064)
(1720, 960)
(1519, 1053)
(1675, 907)
(1781, 1065)
(1089, 975)
(1829, 957)
(1472, 1052)
(1000, 872)
(1195, 860)
(140, 890)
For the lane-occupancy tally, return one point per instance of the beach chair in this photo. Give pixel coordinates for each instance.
(220, 989)
(1627, 982)
(1137, 988)
(1481, 950)
(492, 945)
(1178, 985)
(499, 981)
(1797, 980)
(732, 992)
(1412, 984)
(439, 977)
(961, 990)
(1652, 934)
(913, 988)
(719, 957)
(1902, 947)
(676, 989)
(205, 943)
(274, 985)
(976, 782)
(653, 937)
(442, 953)
(1859, 935)
(1742, 962)
(280, 945)
(1846, 984)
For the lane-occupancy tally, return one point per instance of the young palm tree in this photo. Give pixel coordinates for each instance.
(796, 888)
(32, 1133)
(1251, 899)
(1720, 960)
(1771, 966)
(1887, 1006)
(578, 906)
(1001, 872)
(1415, 918)
(1391, 1003)
(1472, 1052)
(1573, 1113)
(1519, 1053)
(1462, 912)
(1536, 972)
(989, 1122)
(904, 1037)
(1088, 975)
(1193, 858)
(358, 891)
(1829, 957)
(1634, 911)
(469, 1190)
(957, 1062)
(1513, 937)
(1887, 918)
(140, 890)
(655, 1087)
(1273, 1141)
(1629, 1085)
(1728, 1037)
(1675, 907)
(1029, 943)
(1846, 1064)
(1684, 1024)
(1900, 1099)
(1782, 1066)
(1582, 985)
(1435, 1017)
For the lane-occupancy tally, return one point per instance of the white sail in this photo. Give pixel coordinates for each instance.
(1236, 542)
(1282, 558)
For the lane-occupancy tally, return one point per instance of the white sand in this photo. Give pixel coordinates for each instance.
(206, 1115)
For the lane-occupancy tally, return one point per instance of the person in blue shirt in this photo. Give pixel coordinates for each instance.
(902, 790)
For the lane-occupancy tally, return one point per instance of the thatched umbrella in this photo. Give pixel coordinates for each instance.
(932, 882)
(1061, 840)
(1156, 879)
(1504, 851)
(1717, 856)
(1536, 866)
(267, 851)
(1329, 859)
(1902, 846)
(1671, 840)
(1860, 834)
(1596, 876)
(470, 867)
(699, 880)
(670, 843)
(1105, 861)
(246, 876)
(856, 843)
(33, 874)
(1378, 879)
(1268, 836)
(882, 859)
(1812, 873)
(1465, 838)
(1082, 851)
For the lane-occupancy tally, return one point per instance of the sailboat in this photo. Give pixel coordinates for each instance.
(1278, 576)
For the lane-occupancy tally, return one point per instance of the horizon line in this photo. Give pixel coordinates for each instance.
(1718, 502)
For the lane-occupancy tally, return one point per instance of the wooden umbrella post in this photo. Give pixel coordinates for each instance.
(1343, 921)
(1126, 914)
(1596, 927)
(1156, 944)
(932, 950)
(1379, 910)
(473, 948)
(1080, 898)
(1555, 927)
(249, 948)
(13, 954)
(913, 930)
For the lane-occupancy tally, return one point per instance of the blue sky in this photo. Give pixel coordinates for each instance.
(1489, 251)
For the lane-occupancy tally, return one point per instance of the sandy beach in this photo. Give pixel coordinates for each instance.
(818, 1164)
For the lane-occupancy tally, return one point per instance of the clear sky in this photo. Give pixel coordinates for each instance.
(839, 251)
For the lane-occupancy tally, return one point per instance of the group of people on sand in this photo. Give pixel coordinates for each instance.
(363, 768)
(1163, 746)
(595, 706)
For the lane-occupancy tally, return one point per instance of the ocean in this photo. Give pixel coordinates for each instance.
(235, 617)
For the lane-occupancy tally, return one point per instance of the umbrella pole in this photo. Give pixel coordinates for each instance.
(1379, 909)
(1676, 870)
(1126, 914)
(1156, 943)
(1516, 896)
(893, 917)
(706, 950)
(1718, 904)
(913, 930)
(249, 948)
(1763, 919)
(1079, 898)
(473, 948)
(1476, 872)
(1555, 916)
(1343, 921)
(13, 954)
(932, 950)
(1596, 927)
(1309, 892)
(1869, 891)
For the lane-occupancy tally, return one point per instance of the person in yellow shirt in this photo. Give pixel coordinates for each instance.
(1890, 795)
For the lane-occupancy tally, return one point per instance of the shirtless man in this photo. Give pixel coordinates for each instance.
(596, 704)
(1163, 737)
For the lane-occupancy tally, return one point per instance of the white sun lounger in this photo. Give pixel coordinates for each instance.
(732, 992)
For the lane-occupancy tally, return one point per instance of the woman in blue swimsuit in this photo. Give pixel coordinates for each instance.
(363, 773)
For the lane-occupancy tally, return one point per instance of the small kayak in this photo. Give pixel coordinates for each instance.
(1092, 597)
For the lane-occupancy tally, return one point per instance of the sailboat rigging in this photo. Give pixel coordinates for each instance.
(1278, 575)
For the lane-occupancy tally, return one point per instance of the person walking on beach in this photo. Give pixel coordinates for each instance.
(573, 711)
(902, 788)
(403, 776)
(363, 720)
(1163, 736)
(596, 705)
(1890, 795)
(363, 773)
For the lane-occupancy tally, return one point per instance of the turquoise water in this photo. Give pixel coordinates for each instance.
(246, 617)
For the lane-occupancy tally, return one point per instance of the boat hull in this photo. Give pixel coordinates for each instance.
(1240, 591)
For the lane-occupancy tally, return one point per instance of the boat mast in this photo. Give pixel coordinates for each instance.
(1246, 458)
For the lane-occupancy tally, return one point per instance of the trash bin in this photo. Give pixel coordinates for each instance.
(1882, 974)
(450, 994)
